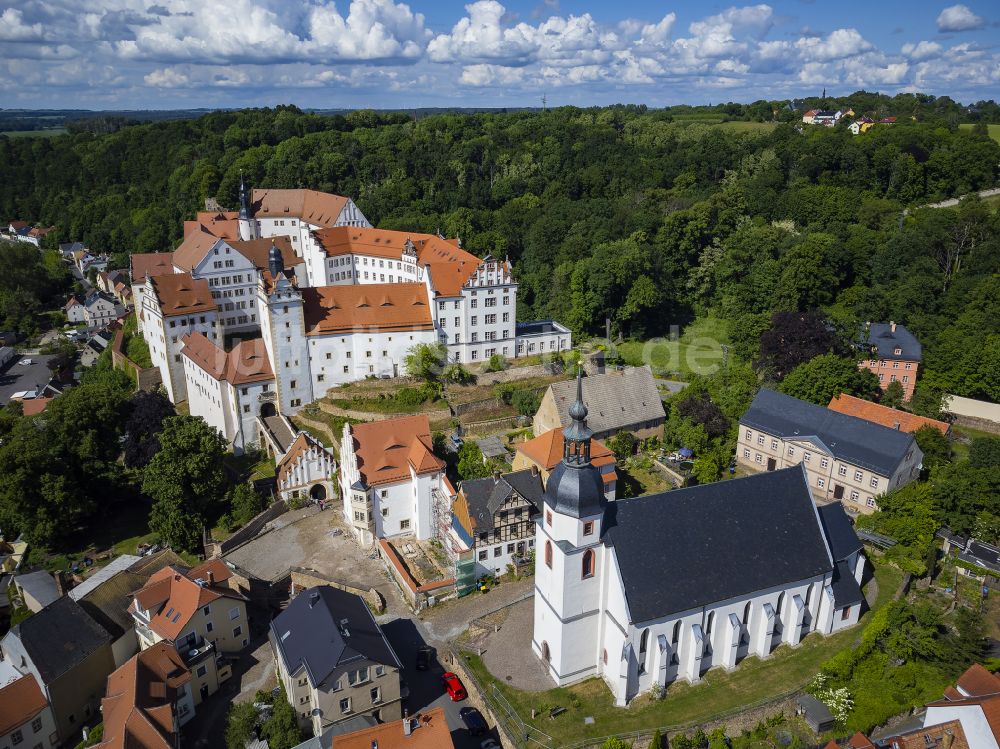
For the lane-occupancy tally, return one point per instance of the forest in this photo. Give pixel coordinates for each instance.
(625, 213)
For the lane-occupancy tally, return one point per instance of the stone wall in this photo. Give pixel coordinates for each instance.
(438, 413)
(303, 578)
(147, 378)
(514, 373)
(247, 532)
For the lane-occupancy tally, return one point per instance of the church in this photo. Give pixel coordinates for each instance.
(646, 591)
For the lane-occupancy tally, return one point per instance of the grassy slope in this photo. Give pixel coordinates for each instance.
(698, 348)
(994, 131)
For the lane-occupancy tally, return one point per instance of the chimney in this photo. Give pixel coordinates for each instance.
(896, 425)
(496, 477)
(892, 326)
(534, 470)
(407, 725)
(313, 599)
(211, 577)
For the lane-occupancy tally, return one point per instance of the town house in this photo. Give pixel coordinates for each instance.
(892, 353)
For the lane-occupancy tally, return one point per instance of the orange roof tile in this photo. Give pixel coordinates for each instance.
(35, 406)
(831, 744)
(257, 250)
(546, 451)
(179, 294)
(171, 613)
(366, 307)
(138, 710)
(932, 737)
(460, 509)
(246, 363)
(20, 701)
(193, 249)
(860, 741)
(356, 240)
(214, 567)
(316, 208)
(385, 449)
(989, 705)
(221, 224)
(430, 732)
(152, 264)
(978, 682)
(887, 417)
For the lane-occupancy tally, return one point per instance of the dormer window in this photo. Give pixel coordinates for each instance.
(897, 351)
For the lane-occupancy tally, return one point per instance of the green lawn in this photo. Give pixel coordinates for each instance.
(35, 133)
(698, 350)
(755, 127)
(994, 130)
(961, 449)
(718, 695)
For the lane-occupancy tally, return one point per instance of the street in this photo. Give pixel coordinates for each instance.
(17, 377)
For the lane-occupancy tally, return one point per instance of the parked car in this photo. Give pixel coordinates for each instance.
(474, 721)
(454, 687)
(456, 443)
(425, 654)
(26, 362)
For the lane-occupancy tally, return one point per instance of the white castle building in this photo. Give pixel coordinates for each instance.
(645, 591)
(334, 299)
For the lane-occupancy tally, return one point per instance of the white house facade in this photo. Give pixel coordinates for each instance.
(307, 470)
(664, 587)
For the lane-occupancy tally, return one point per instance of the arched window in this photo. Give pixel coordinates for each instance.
(548, 554)
(781, 604)
(546, 655)
(809, 592)
(589, 561)
(746, 614)
(644, 641)
(710, 624)
(677, 634)
(604, 656)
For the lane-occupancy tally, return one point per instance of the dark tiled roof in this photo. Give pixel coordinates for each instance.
(856, 441)
(485, 496)
(846, 591)
(718, 541)
(309, 633)
(839, 531)
(882, 336)
(59, 637)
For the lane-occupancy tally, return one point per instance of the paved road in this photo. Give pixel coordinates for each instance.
(952, 202)
(16, 377)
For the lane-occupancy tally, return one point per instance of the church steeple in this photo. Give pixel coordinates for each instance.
(577, 436)
(244, 203)
(275, 262)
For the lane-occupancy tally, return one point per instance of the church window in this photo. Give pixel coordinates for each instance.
(588, 528)
(781, 603)
(548, 554)
(589, 562)
(809, 592)
(845, 614)
(548, 518)
(676, 636)
(746, 614)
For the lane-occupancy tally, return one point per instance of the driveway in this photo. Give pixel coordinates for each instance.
(426, 690)
(16, 377)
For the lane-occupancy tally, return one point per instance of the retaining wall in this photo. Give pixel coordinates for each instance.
(303, 578)
(147, 378)
(416, 595)
(247, 532)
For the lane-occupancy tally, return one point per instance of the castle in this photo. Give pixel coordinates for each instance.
(333, 299)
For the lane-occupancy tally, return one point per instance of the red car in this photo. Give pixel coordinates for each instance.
(453, 686)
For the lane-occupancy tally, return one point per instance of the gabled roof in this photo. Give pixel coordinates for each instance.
(855, 441)
(221, 224)
(483, 497)
(948, 735)
(138, 710)
(719, 541)
(193, 249)
(324, 628)
(247, 362)
(301, 446)
(256, 251)
(180, 294)
(886, 337)
(151, 264)
(316, 208)
(978, 682)
(386, 450)
(329, 310)
(40, 585)
(839, 531)
(64, 622)
(876, 413)
(429, 731)
(616, 400)
(173, 596)
(20, 701)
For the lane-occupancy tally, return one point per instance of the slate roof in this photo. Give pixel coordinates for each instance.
(615, 400)
(718, 541)
(309, 633)
(846, 591)
(63, 623)
(839, 531)
(886, 340)
(853, 440)
(485, 496)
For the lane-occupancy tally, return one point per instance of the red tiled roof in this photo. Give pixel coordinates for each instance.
(546, 451)
(20, 701)
(978, 682)
(366, 307)
(387, 449)
(193, 249)
(152, 264)
(860, 741)
(35, 406)
(948, 735)
(172, 597)
(221, 224)
(257, 250)
(316, 208)
(887, 417)
(246, 363)
(180, 294)
(430, 731)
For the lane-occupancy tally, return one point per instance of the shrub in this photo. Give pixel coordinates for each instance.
(495, 363)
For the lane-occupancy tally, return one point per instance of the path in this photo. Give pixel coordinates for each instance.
(507, 652)
(952, 202)
(443, 624)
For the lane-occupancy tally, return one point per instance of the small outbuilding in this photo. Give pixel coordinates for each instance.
(815, 713)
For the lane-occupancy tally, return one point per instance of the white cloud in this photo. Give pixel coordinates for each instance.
(14, 29)
(835, 46)
(959, 18)
(166, 78)
(922, 50)
(658, 33)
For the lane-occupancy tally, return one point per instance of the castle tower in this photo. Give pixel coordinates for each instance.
(282, 325)
(247, 225)
(570, 559)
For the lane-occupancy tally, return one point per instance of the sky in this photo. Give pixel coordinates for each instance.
(173, 54)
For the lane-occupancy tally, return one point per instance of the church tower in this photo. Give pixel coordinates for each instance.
(570, 559)
(247, 225)
(282, 326)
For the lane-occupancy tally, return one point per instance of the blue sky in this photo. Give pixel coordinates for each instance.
(383, 53)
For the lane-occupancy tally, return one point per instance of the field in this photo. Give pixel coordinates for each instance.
(994, 131)
(699, 350)
(718, 695)
(35, 133)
